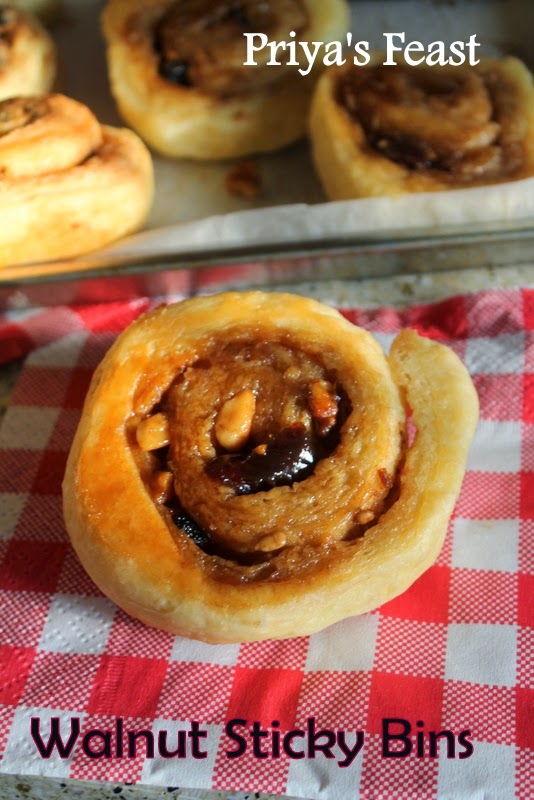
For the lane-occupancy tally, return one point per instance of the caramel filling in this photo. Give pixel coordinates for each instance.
(201, 43)
(424, 118)
(256, 423)
(225, 453)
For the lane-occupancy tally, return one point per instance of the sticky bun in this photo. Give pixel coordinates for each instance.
(391, 130)
(243, 471)
(177, 71)
(68, 185)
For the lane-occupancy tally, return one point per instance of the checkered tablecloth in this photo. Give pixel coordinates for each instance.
(455, 652)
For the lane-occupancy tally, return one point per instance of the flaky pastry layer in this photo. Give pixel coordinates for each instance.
(350, 535)
(67, 184)
(395, 130)
(187, 122)
(27, 54)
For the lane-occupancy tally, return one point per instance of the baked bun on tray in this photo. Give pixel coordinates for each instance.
(27, 54)
(241, 469)
(392, 130)
(68, 185)
(177, 72)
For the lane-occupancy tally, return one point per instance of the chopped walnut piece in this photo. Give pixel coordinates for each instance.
(272, 542)
(386, 478)
(234, 420)
(323, 406)
(244, 180)
(292, 373)
(162, 487)
(153, 432)
(364, 517)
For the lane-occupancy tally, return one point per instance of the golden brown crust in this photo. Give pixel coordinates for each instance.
(27, 54)
(379, 130)
(329, 569)
(182, 121)
(67, 184)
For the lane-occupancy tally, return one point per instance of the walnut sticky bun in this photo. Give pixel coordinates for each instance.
(389, 130)
(178, 74)
(67, 184)
(27, 54)
(241, 470)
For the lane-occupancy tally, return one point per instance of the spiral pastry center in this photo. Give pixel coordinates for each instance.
(427, 119)
(41, 135)
(239, 455)
(274, 414)
(200, 43)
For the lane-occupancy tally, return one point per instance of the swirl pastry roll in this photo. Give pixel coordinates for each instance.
(27, 54)
(392, 130)
(68, 185)
(241, 469)
(177, 72)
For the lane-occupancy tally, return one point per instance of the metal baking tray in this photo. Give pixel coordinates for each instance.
(190, 193)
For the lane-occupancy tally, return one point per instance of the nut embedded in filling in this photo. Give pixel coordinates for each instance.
(424, 118)
(242, 454)
(200, 43)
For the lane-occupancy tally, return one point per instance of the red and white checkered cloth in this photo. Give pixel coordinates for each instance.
(455, 652)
